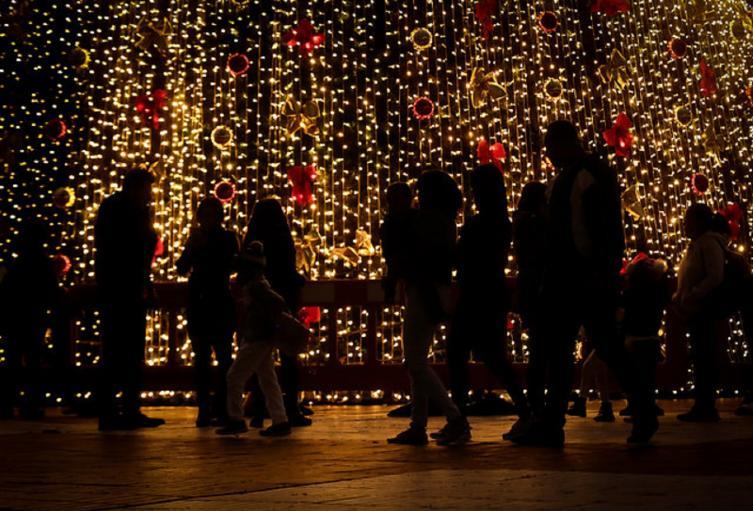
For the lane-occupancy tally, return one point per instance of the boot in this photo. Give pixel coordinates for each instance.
(281, 429)
(578, 409)
(605, 412)
(411, 436)
(456, 432)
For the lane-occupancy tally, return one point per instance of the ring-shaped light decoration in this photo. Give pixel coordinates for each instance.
(222, 137)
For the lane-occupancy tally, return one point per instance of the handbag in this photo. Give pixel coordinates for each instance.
(291, 336)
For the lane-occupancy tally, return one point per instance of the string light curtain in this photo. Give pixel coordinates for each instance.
(326, 103)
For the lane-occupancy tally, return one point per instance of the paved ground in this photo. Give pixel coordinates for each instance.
(342, 462)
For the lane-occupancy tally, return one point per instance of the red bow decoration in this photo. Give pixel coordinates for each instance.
(302, 180)
(159, 249)
(304, 36)
(149, 107)
(749, 94)
(708, 80)
(640, 257)
(495, 154)
(610, 7)
(310, 316)
(733, 213)
(619, 136)
(484, 10)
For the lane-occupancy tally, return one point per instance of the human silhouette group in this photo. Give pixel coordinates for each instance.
(572, 280)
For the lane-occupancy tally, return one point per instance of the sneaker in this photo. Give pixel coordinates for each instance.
(456, 432)
(699, 415)
(116, 423)
(605, 413)
(438, 434)
(300, 421)
(233, 427)
(281, 429)
(521, 426)
(744, 410)
(642, 433)
(411, 436)
(144, 421)
(541, 435)
(578, 408)
(256, 422)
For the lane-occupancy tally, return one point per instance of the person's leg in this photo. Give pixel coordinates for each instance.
(643, 356)
(9, 384)
(247, 360)
(32, 342)
(110, 367)
(134, 328)
(491, 347)
(537, 369)
(458, 354)
(269, 384)
(425, 384)
(289, 384)
(202, 372)
(702, 339)
(223, 350)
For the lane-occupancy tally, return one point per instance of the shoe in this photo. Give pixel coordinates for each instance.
(642, 433)
(281, 429)
(605, 413)
(628, 412)
(143, 421)
(541, 435)
(203, 420)
(456, 432)
(116, 423)
(699, 415)
(744, 410)
(521, 426)
(438, 434)
(306, 411)
(411, 436)
(578, 409)
(256, 422)
(233, 427)
(300, 421)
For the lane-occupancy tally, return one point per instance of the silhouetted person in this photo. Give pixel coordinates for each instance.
(125, 241)
(210, 256)
(427, 292)
(701, 272)
(261, 311)
(269, 225)
(580, 288)
(29, 289)
(479, 323)
(529, 231)
(397, 238)
(644, 298)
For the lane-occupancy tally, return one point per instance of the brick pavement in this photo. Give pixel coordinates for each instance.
(342, 462)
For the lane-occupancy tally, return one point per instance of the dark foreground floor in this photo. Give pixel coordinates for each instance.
(342, 462)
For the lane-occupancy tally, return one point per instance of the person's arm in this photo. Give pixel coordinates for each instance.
(185, 261)
(603, 216)
(712, 255)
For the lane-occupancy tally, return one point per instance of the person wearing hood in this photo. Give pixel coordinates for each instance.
(701, 272)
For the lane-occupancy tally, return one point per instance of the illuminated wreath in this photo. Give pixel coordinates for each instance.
(237, 64)
(224, 191)
(423, 108)
(548, 22)
(553, 88)
(222, 137)
(677, 48)
(421, 38)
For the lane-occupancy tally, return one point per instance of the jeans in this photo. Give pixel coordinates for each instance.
(418, 334)
(643, 355)
(123, 343)
(702, 330)
(254, 357)
(481, 328)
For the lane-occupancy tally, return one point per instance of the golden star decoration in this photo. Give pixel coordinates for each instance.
(615, 72)
(153, 33)
(301, 116)
(484, 85)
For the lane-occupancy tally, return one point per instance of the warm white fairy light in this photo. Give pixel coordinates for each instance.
(365, 77)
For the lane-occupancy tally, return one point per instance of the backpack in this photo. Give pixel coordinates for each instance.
(734, 293)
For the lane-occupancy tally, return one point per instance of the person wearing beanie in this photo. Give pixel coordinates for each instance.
(261, 309)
